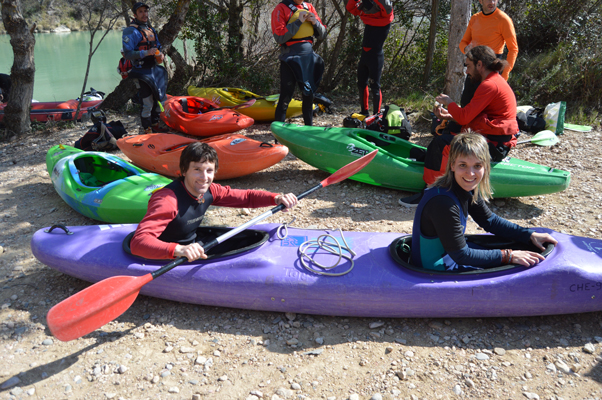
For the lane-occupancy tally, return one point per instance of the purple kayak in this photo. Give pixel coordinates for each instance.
(260, 271)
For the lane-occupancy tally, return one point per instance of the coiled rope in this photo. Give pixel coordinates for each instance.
(321, 242)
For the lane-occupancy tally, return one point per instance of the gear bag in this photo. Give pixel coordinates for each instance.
(530, 119)
(393, 121)
(102, 136)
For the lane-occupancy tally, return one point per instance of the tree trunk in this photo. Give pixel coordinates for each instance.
(122, 93)
(171, 29)
(454, 75)
(235, 26)
(126, 6)
(430, 53)
(333, 63)
(22, 73)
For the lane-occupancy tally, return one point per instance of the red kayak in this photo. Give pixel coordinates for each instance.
(57, 111)
(199, 117)
(238, 155)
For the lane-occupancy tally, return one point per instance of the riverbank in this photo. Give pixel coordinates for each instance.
(162, 349)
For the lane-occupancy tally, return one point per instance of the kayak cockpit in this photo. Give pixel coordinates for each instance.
(244, 241)
(400, 250)
(95, 171)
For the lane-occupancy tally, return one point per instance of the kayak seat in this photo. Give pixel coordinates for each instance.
(400, 250)
(97, 171)
(244, 241)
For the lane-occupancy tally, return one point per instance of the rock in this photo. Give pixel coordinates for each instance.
(185, 350)
(174, 389)
(16, 391)
(499, 351)
(320, 340)
(589, 348)
(196, 397)
(292, 342)
(388, 349)
(551, 367)
(374, 325)
(482, 356)
(409, 354)
(47, 342)
(10, 383)
(376, 396)
(31, 392)
(200, 360)
(223, 378)
(295, 386)
(561, 365)
(286, 393)
(290, 316)
(354, 396)
(257, 393)
(531, 396)
(122, 369)
(457, 390)
(168, 349)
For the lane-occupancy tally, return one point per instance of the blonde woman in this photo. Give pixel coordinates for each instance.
(438, 241)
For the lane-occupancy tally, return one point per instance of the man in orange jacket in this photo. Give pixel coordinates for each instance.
(493, 28)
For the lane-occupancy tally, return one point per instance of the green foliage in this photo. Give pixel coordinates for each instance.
(560, 74)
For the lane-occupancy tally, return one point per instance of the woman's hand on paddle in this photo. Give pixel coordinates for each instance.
(526, 258)
(192, 252)
(539, 239)
(288, 200)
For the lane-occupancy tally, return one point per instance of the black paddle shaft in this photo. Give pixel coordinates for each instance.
(228, 235)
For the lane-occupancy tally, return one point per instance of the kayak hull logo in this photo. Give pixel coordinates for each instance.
(355, 151)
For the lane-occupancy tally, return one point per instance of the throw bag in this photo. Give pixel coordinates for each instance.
(101, 137)
(530, 119)
(393, 121)
(554, 116)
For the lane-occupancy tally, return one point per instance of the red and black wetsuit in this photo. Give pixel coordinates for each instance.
(377, 15)
(174, 215)
(491, 112)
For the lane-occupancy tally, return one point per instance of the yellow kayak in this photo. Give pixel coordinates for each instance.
(262, 111)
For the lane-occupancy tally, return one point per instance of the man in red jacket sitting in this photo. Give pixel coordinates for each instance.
(168, 230)
(491, 112)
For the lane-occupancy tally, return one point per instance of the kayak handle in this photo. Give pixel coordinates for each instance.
(60, 226)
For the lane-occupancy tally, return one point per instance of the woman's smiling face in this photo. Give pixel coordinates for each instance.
(468, 172)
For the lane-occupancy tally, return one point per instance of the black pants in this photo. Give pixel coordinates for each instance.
(369, 72)
(149, 113)
(287, 88)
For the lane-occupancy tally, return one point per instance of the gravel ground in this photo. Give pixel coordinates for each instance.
(164, 350)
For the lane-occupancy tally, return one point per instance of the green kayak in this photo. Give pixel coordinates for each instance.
(329, 149)
(100, 185)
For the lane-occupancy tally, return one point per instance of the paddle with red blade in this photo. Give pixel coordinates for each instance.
(88, 310)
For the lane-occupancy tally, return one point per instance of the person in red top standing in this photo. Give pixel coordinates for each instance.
(491, 112)
(294, 24)
(377, 15)
(493, 28)
(168, 230)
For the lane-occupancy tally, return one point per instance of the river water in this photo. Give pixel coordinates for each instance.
(61, 60)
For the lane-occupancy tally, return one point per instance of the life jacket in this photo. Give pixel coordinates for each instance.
(182, 229)
(149, 40)
(393, 121)
(306, 30)
(428, 252)
(124, 67)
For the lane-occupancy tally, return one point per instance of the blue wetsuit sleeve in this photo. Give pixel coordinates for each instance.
(129, 40)
(497, 225)
(441, 218)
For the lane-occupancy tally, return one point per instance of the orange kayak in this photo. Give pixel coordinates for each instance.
(237, 154)
(199, 117)
(57, 111)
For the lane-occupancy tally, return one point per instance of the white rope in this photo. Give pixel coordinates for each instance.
(321, 242)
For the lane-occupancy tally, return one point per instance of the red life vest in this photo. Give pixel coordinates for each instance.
(124, 67)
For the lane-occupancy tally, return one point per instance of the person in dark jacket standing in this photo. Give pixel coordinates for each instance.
(141, 46)
(377, 15)
(294, 25)
(5, 85)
